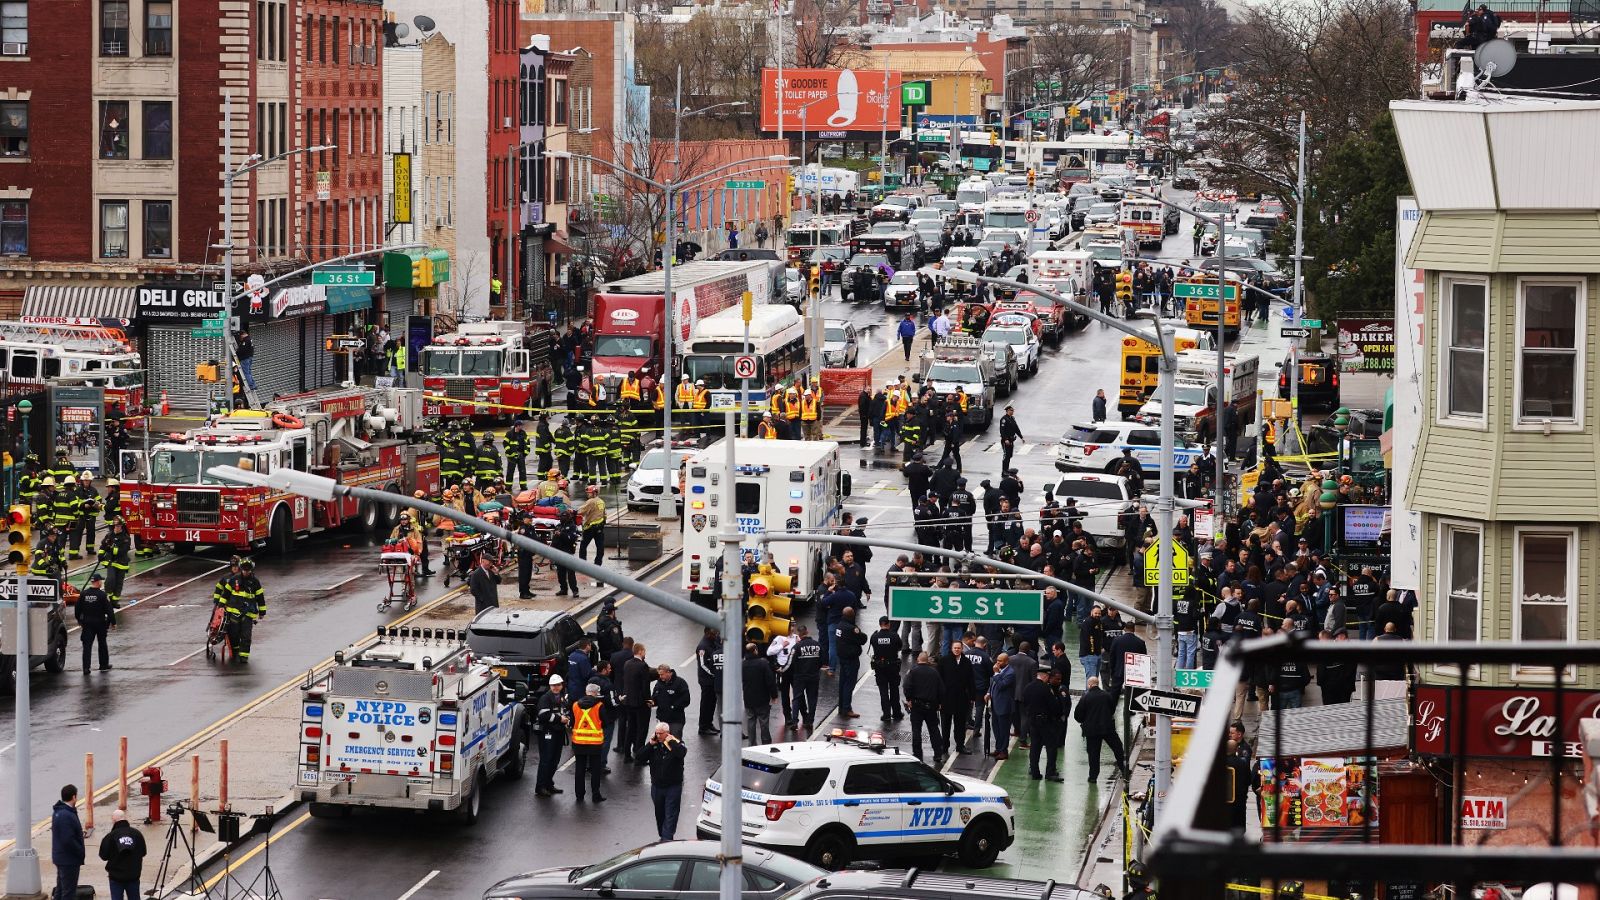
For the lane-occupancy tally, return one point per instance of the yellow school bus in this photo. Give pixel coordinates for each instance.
(1141, 365)
(1200, 310)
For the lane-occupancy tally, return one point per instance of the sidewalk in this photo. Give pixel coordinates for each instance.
(262, 737)
(845, 426)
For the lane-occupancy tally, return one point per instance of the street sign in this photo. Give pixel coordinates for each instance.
(350, 277)
(1100, 98)
(918, 604)
(347, 343)
(756, 185)
(1288, 332)
(1051, 86)
(1192, 679)
(1136, 670)
(1140, 87)
(1031, 215)
(38, 588)
(1212, 73)
(1180, 565)
(1165, 703)
(1037, 115)
(1311, 323)
(1186, 79)
(1187, 291)
(744, 367)
(208, 329)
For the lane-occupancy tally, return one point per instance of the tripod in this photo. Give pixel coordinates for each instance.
(176, 836)
(264, 886)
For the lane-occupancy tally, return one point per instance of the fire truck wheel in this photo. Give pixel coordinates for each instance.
(183, 549)
(280, 539)
(389, 513)
(370, 518)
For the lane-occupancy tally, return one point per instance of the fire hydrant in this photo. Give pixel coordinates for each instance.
(152, 785)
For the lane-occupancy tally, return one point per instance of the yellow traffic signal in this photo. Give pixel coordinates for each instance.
(422, 272)
(20, 537)
(1031, 176)
(788, 185)
(1124, 286)
(767, 606)
(994, 138)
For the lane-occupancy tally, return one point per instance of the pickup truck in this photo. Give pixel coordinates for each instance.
(962, 362)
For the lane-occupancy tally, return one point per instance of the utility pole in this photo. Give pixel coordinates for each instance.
(667, 506)
(883, 150)
(1299, 252)
(22, 869)
(227, 250)
(732, 885)
(1220, 492)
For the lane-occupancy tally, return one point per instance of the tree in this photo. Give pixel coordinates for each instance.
(1351, 235)
(1083, 58)
(823, 29)
(1203, 30)
(720, 54)
(1340, 61)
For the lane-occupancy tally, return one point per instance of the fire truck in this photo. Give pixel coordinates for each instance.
(352, 435)
(36, 356)
(487, 370)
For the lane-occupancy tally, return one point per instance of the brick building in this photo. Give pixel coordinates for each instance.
(340, 81)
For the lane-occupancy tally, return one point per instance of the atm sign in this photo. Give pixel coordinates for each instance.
(1487, 813)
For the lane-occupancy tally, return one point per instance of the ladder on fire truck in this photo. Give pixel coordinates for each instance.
(82, 338)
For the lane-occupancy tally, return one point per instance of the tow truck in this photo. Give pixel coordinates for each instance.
(412, 721)
(352, 435)
(488, 370)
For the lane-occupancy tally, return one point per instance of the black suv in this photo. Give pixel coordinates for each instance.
(531, 645)
(1319, 381)
(917, 884)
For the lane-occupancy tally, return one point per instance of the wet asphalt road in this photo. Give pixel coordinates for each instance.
(163, 688)
(394, 856)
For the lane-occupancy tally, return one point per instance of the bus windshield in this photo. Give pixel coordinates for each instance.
(717, 371)
(622, 345)
(187, 466)
(1006, 219)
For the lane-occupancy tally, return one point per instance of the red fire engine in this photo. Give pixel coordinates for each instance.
(38, 355)
(487, 370)
(347, 434)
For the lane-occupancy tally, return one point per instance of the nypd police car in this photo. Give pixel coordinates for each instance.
(1098, 446)
(848, 797)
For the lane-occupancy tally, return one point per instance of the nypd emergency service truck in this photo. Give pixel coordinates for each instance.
(412, 721)
(778, 486)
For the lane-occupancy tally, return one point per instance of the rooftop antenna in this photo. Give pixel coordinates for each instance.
(424, 24)
(1496, 57)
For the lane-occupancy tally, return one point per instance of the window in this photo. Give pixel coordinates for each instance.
(335, 40)
(261, 29)
(158, 28)
(1546, 585)
(1549, 319)
(283, 129)
(558, 101)
(1460, 582)
(1464, 385)
(113, 129)
(113, 27)
(14, 128)
(14, 227)
(871, 778)
(14, 28)
(705, 876)
(157, 129)
(158, 229)
(24, 365)
(654, 875)
(559, 176)
(114, 229)
(916, 778)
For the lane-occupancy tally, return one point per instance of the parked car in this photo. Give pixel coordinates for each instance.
(1319, 381)
(840, 345)
(666, 869)
(924, 884)
(529, 645)
(1102, 499)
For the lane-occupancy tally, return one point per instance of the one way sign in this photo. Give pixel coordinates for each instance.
(1165, 703)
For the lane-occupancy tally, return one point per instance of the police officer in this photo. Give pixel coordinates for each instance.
(805, 676)
(517, 456)
(525, 528)
(249, 605)
(116, 554)
(960, 510)
(564, 441)
(924, 692)
(886, 645)
(97, 615)
(708, 664)
(927, 516)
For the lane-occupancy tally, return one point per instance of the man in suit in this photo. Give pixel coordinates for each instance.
(482, 583)
(1096, 716)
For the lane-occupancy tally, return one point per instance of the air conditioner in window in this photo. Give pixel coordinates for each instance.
(14, 48)
(438, 221)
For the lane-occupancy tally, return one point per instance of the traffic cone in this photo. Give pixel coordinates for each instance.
(165, 409)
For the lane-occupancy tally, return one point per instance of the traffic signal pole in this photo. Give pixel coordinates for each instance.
(731, 885)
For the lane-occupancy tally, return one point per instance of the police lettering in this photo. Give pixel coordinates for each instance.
(380, 712)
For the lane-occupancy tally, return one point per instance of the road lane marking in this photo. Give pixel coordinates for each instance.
(7, 747)
(216, 727)
(341, 584)
(418, 886)
(304, 817)
(132, 603)
(657, 580)
(187, 656)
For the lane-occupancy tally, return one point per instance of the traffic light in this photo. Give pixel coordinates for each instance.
(1125, 288)
(994, 138)
(422, 272)
(767, 606)
(788, 185)
(1032, 175)
(20, 535)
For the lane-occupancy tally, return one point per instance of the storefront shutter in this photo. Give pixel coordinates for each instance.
(277, 359)
(171, 355)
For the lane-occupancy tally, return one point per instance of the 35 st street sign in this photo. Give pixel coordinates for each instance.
(919, 604)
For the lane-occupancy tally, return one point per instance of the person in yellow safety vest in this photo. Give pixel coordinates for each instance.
(962, 399)
(1270, 435)
(894, 405)
(630, 388)
(702, 402)
(588, 742)
(768, 429)
(684, 398)
(659, 399)
(811, 414)
(791, 406)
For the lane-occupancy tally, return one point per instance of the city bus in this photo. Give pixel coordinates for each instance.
(777, 341)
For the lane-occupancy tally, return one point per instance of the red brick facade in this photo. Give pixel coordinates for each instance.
(56, 76)
(340, 80)
(505, 65)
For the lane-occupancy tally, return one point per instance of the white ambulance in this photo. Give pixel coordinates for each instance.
(778, 486)
(411, 721)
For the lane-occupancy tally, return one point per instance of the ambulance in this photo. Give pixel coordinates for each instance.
(790, 486)
(412, 721)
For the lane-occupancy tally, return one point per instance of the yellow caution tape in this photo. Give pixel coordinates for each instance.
(1252, 889)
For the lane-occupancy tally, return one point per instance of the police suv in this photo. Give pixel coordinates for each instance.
(848, 797)
(1098, 446)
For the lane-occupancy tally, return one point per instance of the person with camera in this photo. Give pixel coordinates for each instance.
(664, 754)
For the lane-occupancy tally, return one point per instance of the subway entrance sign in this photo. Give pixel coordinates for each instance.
(919, 604)
(1184, 291)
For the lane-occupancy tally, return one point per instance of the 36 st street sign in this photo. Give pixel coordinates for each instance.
(919, 604)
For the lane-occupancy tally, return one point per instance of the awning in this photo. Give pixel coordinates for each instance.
(557, 245)
(73, 301)
(1338, 729)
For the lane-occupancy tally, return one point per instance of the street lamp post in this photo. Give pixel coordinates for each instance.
(1166, 502)
(667, 505)
(814, 305)
(1005, 103)
(229, 175)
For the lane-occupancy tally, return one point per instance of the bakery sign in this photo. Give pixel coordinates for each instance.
(1501, 722)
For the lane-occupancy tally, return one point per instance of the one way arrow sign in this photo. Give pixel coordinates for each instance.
(1165, 703)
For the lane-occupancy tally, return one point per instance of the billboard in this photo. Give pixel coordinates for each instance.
(852, 100)
(1366, 345)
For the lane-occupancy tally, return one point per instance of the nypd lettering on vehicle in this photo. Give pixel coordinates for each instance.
(380, 712)
(1149, 458)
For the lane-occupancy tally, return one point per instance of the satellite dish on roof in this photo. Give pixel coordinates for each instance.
(401, 29)
(1496, 57)
(424, 23)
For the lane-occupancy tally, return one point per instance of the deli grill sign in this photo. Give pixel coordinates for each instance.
(177, 302)
(1501, 722)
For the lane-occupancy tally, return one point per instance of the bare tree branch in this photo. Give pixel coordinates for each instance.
(1083, 58)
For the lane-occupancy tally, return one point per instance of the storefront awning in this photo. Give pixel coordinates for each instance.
(1338, 729)
(73, 301)
(557, 245)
